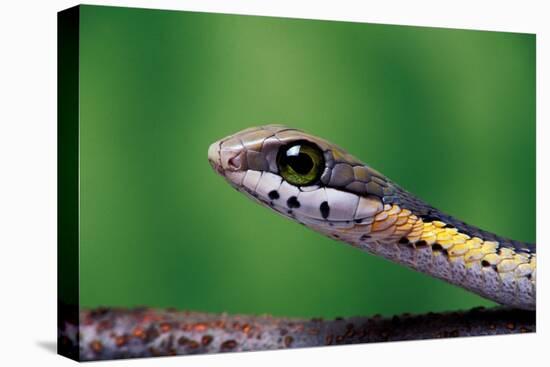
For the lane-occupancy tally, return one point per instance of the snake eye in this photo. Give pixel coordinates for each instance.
(300, 163)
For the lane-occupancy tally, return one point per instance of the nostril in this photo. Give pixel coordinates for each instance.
(235, 162)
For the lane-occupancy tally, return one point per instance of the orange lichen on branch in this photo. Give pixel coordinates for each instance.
(112, 333)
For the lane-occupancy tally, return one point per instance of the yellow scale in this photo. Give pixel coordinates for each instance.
(398, 223)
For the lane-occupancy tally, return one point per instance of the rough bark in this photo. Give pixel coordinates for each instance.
(111, 333)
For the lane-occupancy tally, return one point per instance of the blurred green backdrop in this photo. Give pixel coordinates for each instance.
(448, 114)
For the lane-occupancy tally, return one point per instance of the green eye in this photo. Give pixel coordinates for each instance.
(301, 163)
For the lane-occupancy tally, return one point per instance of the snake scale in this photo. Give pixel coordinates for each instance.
(321, 186)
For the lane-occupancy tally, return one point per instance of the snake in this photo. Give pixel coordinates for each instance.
(323, 187)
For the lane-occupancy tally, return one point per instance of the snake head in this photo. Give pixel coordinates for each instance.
(301, 176)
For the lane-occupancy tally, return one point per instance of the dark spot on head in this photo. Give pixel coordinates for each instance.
(325, 209)
(403, 240)
(358, 220)
(293, 202)
(273, 195)
(485, 263)
(529, 276)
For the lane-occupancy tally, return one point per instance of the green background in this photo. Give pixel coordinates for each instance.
(448, 114)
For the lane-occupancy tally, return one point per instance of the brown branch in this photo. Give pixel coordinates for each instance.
(109, 333)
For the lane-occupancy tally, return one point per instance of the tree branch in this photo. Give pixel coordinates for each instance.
(110, 333)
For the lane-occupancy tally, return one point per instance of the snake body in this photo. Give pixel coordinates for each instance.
(353, 203)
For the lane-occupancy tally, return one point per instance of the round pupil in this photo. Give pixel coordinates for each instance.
(301, 163)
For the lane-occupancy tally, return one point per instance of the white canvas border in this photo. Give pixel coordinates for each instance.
(28, 180)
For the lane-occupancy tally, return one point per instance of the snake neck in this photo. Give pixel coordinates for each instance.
(427, 213)
(414, 234)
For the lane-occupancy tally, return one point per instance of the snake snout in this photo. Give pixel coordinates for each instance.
(226, 159)
(214, 157)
